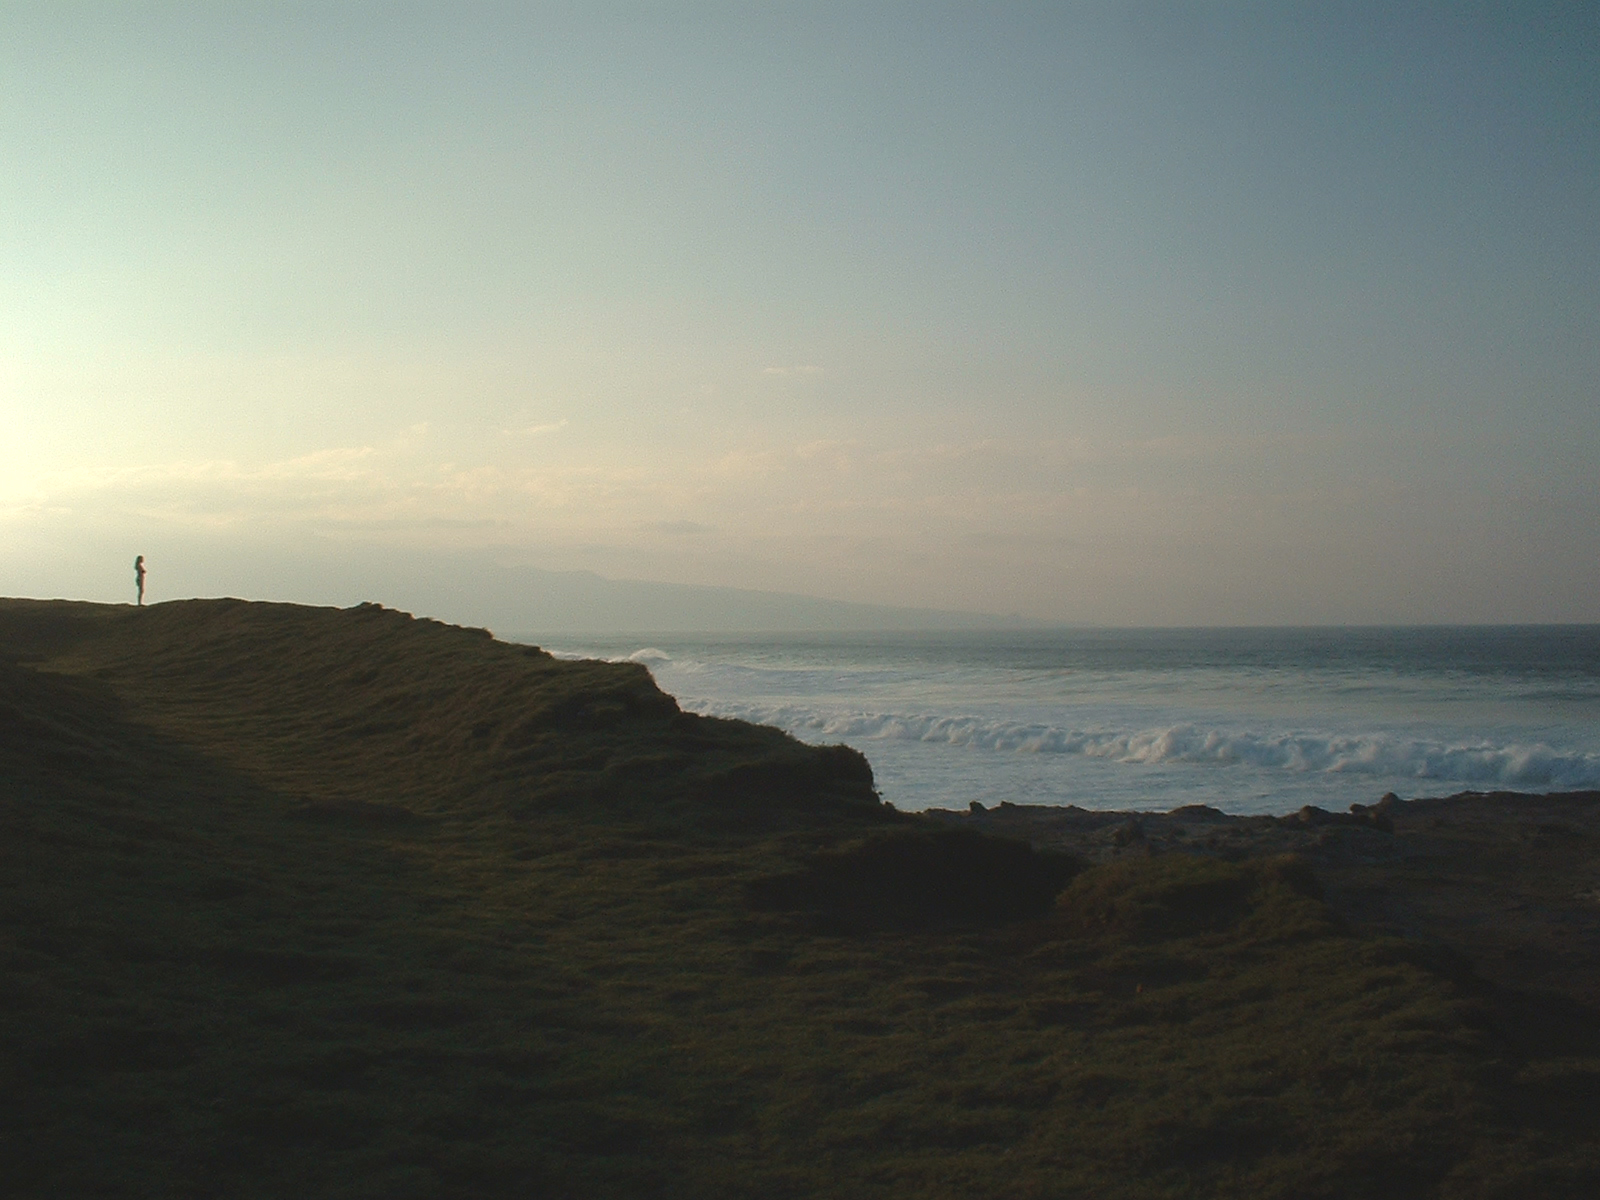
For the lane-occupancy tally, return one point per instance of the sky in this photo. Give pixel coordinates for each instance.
(1122, 314)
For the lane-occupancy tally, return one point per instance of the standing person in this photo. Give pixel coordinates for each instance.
(138, 576)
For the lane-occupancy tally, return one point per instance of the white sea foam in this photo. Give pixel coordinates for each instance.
(1247, 721)
(1299, 751)
(649, 656)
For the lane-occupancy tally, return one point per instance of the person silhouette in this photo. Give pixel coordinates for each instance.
(138, 576)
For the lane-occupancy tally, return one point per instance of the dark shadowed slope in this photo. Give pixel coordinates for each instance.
(306, 902)
(325, 706)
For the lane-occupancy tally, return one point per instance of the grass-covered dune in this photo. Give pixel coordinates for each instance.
(309, 902)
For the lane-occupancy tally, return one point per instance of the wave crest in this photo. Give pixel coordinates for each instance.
(1514, 765)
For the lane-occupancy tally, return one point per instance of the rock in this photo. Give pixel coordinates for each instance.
(1378, 815)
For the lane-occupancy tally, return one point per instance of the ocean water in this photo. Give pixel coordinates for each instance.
(1246, 720)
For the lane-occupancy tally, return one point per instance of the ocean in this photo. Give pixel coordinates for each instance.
(1245, 720)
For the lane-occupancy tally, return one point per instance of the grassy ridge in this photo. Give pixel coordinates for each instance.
(339, 903)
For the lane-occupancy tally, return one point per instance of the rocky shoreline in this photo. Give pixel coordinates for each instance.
(1508, 882)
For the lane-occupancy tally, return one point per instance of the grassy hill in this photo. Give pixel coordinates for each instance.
(315, 902)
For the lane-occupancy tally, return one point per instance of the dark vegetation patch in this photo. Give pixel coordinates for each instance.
(1180, 895)
(231, 963)
(356, 813)
(915, 878)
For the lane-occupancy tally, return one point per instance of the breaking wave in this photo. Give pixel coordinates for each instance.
(649, 656)
(1381, 754)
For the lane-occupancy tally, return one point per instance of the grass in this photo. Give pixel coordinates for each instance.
(307, 902)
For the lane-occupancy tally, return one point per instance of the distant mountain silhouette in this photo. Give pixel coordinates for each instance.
(471, 588)
(528, 599)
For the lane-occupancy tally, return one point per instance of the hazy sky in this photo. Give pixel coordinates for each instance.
(1133, 313)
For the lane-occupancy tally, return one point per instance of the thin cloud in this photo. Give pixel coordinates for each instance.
(537, 430)
(827, 452)
(679, 528)
(807, 369)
